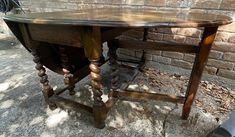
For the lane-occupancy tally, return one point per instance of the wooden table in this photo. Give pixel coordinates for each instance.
(65, 41)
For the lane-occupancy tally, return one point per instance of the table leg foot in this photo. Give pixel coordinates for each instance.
(98, 106)
(52, 106)
(199, 64)
(99, 116)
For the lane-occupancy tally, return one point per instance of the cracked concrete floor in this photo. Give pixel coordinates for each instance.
(24, 113)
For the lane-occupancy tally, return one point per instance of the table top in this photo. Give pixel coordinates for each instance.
(123, 17)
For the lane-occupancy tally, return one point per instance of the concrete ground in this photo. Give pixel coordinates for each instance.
(23, 111)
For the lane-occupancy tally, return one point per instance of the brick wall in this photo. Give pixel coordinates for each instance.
(222, 57)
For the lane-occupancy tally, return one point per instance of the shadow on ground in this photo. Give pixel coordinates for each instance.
(24, 113)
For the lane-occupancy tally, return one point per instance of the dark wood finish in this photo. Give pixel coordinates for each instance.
(62, 35)
(46, 88)
(92, 46)
(112, 33)
(91, 41)
(68, 77)
(69, 104)
(147, 96)
(198, 67)
(98, 105)
(124, 17)
(164, 46)
(64, 41)
(113, 62)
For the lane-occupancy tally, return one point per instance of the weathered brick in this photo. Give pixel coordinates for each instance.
(222, 36)
(63, 0)
(154, 2)
(189, 57)
(228, 4)
(59, 5)
(222, 46)
(228, 28)
(135, 2)
(206, 4)
(72, 6)
(181, 63)
(164, 30)
(126, 52)
(226, 73)
(161, 59)
(210, 70)
(138, 54)
(175, 55)
(177, 3)
(154, 52)
(220, 64)
(155, 36)
(118, 1)
(174, 38)
(232, 38)
(192, 32)
(221, 12)
(215, 54)
(229, 56)
(198, 10)
(149, 57)
(190, 40)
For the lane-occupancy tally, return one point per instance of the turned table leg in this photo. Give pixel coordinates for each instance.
(46, 88)
(91, 41)
(113, 62)
(98, 106)
(68, 77)
(199, 64)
